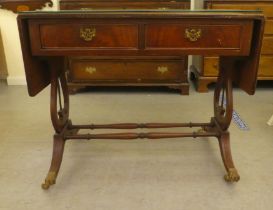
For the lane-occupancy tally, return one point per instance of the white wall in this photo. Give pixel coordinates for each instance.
(197, 4)
(3, 66)
(12, 47)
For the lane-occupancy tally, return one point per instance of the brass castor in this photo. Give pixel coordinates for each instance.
(232, 175)
(50, 180)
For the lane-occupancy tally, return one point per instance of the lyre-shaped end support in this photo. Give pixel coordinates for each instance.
(223, 97)
(50, 180)
(59, 117)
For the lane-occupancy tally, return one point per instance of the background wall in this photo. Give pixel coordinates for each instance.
(12, 47)
(3, 65)
(197, 4)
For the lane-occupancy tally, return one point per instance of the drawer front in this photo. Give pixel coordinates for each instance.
(198, 36)
(130, 70)
(88, 36)
(266, 66)
(268, 27)
(267, 47)
(125, 5)
(211, 66)
(267, 8)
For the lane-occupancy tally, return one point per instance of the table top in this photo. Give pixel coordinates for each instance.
(147, 12)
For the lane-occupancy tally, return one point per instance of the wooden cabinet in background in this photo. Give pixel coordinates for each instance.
(205, 73)
(124, 4)
(126, 70)
(24, 5)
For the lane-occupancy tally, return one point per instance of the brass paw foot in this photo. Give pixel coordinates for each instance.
(232, 175)
(50, 180)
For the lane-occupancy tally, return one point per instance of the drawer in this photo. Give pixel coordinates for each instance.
(125, 5)
(127, 70)
(266, 66)
(267, 47)
(200, 36)
(74, 35)
(268, 27)
(267, 8)
(211, 66)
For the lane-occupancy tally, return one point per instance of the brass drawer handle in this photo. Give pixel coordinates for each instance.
(87, 34)
(90, 69)
(163, 8)
(162, 69)
(193, 34)
(86, 8)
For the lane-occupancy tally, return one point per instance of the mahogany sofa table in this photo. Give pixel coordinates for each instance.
(48, 37)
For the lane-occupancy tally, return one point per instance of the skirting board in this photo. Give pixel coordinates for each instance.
(16, 80)
(270, 121)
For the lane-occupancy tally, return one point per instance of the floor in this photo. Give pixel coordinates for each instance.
(170, 174)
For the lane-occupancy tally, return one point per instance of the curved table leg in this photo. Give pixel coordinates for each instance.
(59, 117)
(224, 143)
(58, 149)
(223, 108)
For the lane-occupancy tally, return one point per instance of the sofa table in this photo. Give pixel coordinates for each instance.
(48, 37)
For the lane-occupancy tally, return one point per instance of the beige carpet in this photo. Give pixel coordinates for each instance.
(170, 174)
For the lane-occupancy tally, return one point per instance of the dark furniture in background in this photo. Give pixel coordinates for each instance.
(206, 70)
(47, 38)
(24, 5)
(124, 4)
(151, 70)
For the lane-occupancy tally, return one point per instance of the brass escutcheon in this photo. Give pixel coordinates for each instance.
(162, 69)
(193, 34)
(87, 34)
(90, 69)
